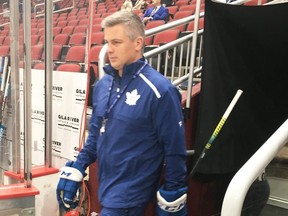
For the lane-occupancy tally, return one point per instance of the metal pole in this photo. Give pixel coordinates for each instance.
(48, 81)
(192, 60)
(14, 59)
(27, 94)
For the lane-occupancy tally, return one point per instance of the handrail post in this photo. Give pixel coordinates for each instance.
(27, 95)
(48, 82)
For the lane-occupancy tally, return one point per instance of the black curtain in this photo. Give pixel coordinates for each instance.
(245, 47)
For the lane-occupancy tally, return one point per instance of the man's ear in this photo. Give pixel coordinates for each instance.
(139, 43)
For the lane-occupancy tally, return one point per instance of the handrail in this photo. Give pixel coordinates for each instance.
(54, 11)
(243, 179)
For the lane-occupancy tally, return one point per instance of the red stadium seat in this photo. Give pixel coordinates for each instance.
(180, 3)
(166, 36)
(36, 54)
(56, 30)
(69, 67)
(76, 54)
(77, 39)
(80, 29)
(57, 49)
(62, 23)
(4, 50)
(154, 24)
(73, 23)
(6, 41)
(188, 8)
(96, 28)
(83, 22)
(97, 38)
(2, 39)
(190, 26)
(172, 10)
(61, 39)
(67, 30)
(39, 66)
(94, 53)
(34, 39)
(180, 15)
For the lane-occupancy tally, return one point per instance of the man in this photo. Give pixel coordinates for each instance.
(136, 126)
(158, 12)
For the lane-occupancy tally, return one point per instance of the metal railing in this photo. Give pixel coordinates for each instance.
(239, 185)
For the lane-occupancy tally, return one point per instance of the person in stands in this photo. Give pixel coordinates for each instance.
(136, 131)
(157, 12)
(127, 5)
(140, 5)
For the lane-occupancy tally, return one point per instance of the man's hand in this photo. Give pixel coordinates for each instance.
(172, 202)
(70, 180)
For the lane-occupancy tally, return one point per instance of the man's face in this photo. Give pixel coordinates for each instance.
(156, 2)
(121, 50)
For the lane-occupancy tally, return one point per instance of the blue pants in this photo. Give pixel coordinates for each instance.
(122, 212)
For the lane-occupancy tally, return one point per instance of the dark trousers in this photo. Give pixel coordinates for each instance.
(122, 211)
(256, 198)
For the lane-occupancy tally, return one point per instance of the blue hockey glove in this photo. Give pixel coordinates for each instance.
(70, 180)
(172, 203)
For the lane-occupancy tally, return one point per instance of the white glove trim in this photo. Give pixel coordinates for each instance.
(173, 206)
(71, 173)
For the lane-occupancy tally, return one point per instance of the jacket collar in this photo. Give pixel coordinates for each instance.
(128, 70)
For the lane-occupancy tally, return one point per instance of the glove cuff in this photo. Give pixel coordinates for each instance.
(72, 171)
(172, 201)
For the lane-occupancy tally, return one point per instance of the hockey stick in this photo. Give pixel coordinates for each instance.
(216, 131)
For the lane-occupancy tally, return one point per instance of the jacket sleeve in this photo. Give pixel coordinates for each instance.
(161, 14)
(147, 13)
(170, 127)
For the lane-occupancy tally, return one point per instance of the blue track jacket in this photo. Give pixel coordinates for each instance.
(144, 128)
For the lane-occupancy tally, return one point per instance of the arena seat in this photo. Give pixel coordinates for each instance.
(77, 39)
(172, 10)
(39, 66)
(190, 26)
(4, 50)
(154, 23)
(76, 54)
(61, 39)
(96, 27)
(180, 3)
(97, 38)
(188, 8)
(80, 29)
(69, 67)
(56, 30)
(6, 41)
(67, 30)
(166, 36)
(34, 39)
(73, 23)
(37, 51)
(2, 39)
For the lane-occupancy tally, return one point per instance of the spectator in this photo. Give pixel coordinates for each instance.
(158, 12)
(140, 4)
(127, 5)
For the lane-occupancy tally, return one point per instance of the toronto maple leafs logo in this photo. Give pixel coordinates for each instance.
(132, 97)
